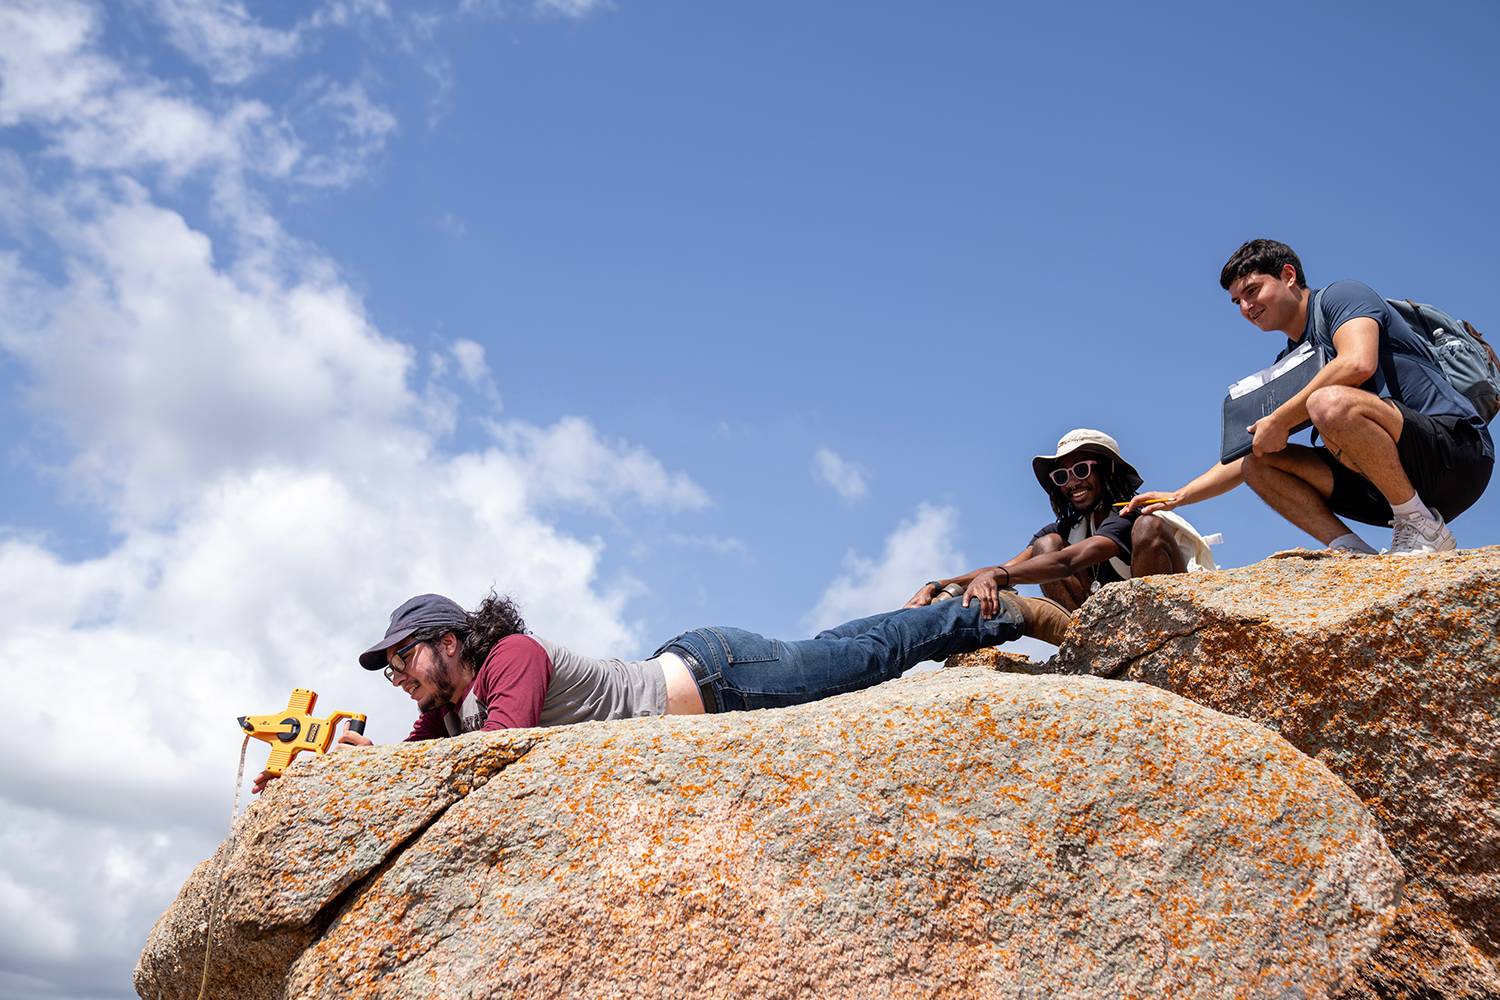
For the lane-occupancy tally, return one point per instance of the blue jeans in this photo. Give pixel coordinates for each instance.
(744, 670)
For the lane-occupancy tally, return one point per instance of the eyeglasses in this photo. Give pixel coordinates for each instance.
(396, 659)
(1079, 471)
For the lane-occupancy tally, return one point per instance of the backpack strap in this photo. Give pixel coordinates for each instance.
(1320, 332)
(1320, 325)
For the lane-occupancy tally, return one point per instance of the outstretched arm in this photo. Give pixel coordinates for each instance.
(927, 591)
(1044, 568)
(1217, 480)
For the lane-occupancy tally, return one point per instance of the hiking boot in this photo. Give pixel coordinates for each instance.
(1045, 619)
(1414, 534)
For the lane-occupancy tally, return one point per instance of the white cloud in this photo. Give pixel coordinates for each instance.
(848, 479)
(44, 70)
(723, 545)
(282, 560)
(571, 8)
(166, 370)
(223, 38)
(359, 129)
(471, 364)
(101, 117)
(570, 462)
(278, 485)
(920, 549)
(272, 467)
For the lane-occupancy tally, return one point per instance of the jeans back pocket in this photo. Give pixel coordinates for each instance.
(740, 646)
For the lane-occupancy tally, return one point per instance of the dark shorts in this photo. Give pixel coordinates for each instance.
(1443, 457)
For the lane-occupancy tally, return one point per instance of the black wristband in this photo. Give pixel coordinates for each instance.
(1007, 576)
(935, 585)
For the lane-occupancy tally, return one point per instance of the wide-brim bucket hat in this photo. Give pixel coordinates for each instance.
(1085, 441)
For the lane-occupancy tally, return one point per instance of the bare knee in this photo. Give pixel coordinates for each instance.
(1255, 469)
(1042, 544)
(1153, 546)
(1334, 408)
(1148, 530)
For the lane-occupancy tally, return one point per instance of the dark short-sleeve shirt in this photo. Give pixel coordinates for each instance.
(1403, 352)
(1114, 527)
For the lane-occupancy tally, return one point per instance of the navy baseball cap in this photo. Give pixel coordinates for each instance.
(425, 611)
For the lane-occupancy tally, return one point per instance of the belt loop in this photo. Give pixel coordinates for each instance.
(700, 676)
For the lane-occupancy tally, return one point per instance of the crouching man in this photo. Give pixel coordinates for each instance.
(1402, 446)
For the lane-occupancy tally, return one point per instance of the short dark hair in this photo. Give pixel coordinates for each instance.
(1261, 257)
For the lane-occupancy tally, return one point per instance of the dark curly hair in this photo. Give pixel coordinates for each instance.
(1115, 486)
(1261, 257)
(494, 619)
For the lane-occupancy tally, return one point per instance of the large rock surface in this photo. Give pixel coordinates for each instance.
(1385, 669)
(953, 834)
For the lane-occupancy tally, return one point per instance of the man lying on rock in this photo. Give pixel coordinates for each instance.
(1402, 446)
(1090, 542)
(483, 671)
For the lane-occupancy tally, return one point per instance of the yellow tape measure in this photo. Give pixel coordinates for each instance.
(294, 730)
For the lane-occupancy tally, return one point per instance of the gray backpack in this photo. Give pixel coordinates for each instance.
(1468, 361)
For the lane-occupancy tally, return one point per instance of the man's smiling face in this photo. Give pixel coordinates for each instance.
(1081, 493)
(424, 675)
(1267, 300)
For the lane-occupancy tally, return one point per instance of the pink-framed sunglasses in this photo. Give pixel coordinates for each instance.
(1063, 475)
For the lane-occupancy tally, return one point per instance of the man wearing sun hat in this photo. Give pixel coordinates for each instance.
(1089, 543)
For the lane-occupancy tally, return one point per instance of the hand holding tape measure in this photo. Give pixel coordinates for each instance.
(294, 730)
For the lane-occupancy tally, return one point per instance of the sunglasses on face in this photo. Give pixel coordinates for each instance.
(396, 659)
(1062, 476)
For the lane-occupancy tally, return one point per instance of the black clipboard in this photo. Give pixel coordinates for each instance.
(1258, 395)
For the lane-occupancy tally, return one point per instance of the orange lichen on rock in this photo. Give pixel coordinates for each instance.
(1387, 670)
(964, 833)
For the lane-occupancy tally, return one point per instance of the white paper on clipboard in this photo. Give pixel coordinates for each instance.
(1250, 383)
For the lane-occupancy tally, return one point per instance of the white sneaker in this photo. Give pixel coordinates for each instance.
(1410, 535)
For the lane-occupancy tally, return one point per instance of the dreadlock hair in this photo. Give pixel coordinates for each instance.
(494, 619)
(1114, 487)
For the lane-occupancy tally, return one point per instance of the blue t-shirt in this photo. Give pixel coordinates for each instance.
(1419, 376)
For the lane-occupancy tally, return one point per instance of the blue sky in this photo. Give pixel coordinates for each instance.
(653, 315)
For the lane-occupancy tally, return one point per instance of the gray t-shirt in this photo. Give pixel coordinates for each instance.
(526, 681)
(587, 688)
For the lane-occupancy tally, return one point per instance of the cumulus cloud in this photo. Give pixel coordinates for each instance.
(274, 469)
(103, 114)
(472, 366)
(921, 547)
(570, 462)
(99, 116)
(360, 128)
(165, 370)
(848, 479)
(571, 8)
(223, 38)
